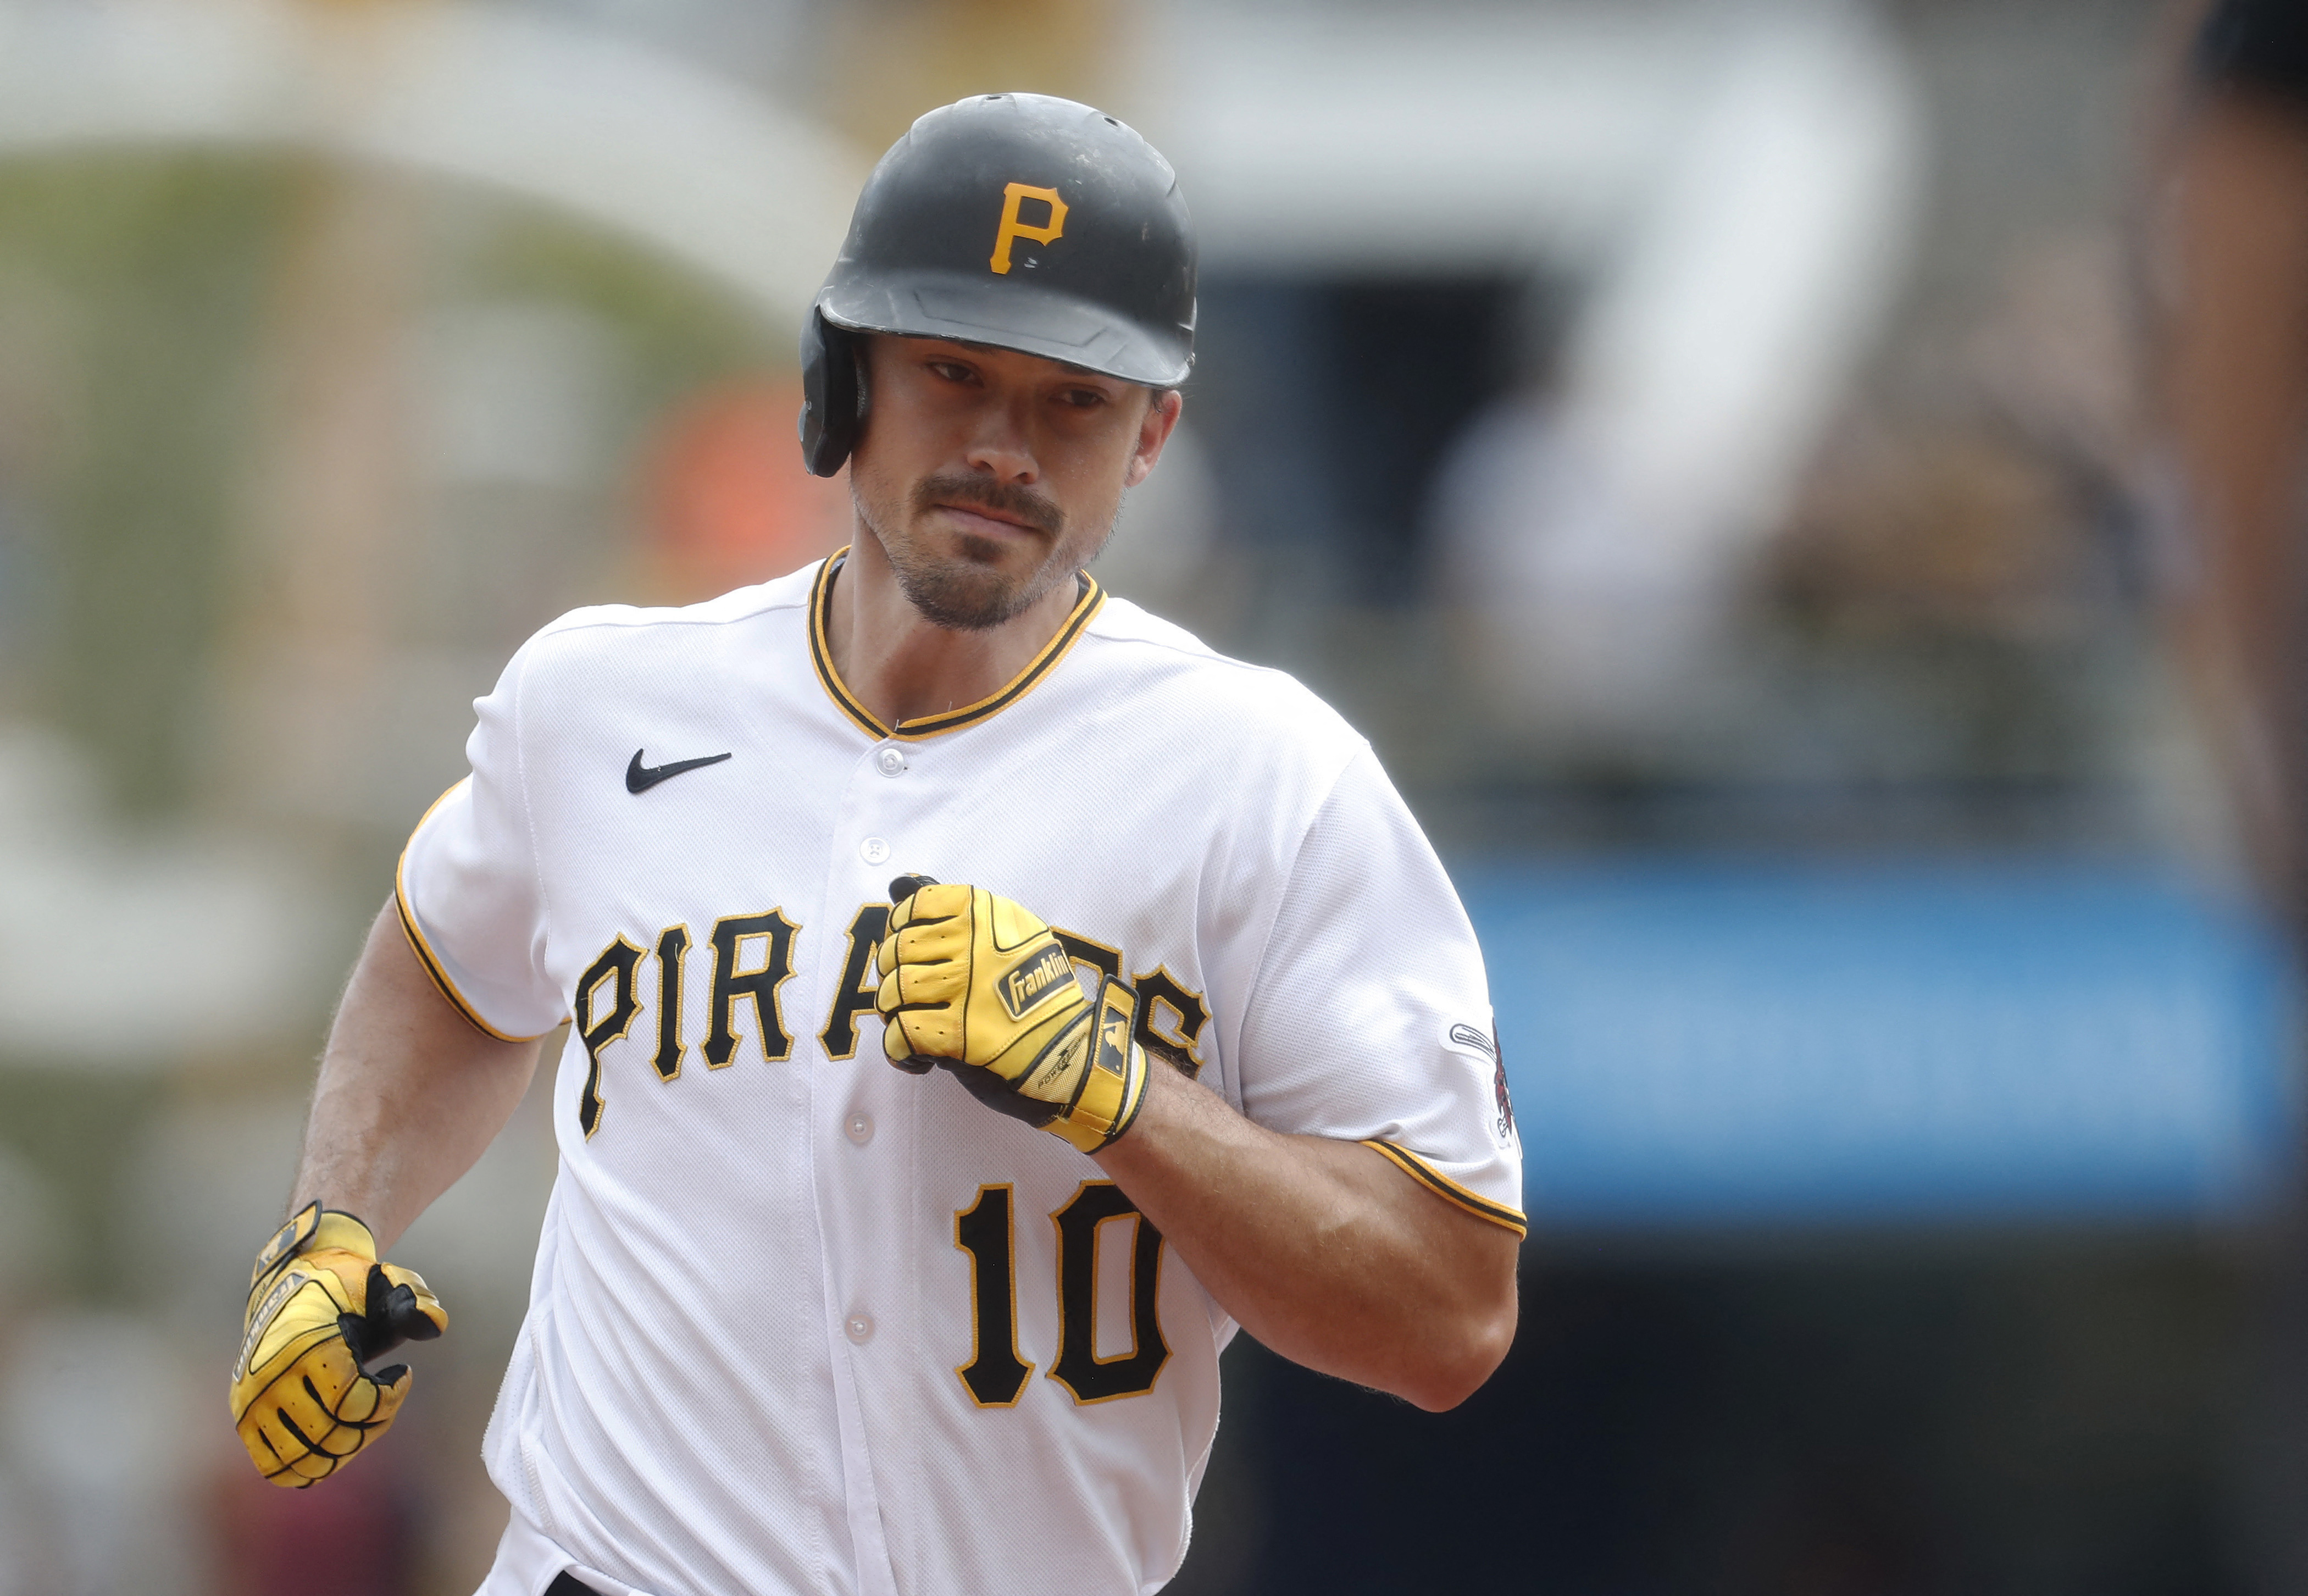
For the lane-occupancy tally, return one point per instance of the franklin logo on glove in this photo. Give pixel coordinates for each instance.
(1023, 989)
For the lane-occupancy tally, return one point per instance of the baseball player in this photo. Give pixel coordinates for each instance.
(1189, 1030)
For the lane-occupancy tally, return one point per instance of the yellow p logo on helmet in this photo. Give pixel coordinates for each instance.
(1014, 227)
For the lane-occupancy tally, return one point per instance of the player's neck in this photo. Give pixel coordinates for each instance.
(900, 666)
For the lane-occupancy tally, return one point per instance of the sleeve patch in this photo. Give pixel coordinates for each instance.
(1476, 1043)
(1470, 1039)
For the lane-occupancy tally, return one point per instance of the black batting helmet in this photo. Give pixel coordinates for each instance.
(1018, 220)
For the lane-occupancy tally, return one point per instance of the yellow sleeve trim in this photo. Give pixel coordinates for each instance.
(1450, 1190)
(423, 949)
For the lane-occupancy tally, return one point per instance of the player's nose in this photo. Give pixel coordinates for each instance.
(1001, 443)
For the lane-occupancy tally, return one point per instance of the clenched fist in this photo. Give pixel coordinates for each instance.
(974, 982)
(319, 1307)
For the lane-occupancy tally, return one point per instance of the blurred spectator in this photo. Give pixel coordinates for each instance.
(1600, 537)
(1910, 530)
(2235, 260)
(2237, 385)
(2011, 508)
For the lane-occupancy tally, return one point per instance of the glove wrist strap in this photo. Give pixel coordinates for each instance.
(341, 1229)
(1113, 1087)
(313, 1226)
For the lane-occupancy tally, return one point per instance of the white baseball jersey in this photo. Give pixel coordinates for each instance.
(802, 1322)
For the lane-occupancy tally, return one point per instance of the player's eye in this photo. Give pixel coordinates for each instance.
(1081, 399)
(953, 371)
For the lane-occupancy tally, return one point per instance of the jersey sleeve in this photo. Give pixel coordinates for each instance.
(467, 887)
(1370, 1020)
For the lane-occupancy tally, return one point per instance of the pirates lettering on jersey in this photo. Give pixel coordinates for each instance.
(855, 994)
(672, 948)
(596, 1028)
(732, 939)
(1158, 989)
(755, 955)
(1085, 950)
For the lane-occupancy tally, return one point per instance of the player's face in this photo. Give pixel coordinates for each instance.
(989, 477)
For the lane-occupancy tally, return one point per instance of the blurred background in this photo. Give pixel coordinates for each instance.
(1726, 453)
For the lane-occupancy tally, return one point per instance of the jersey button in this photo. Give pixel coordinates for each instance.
(858, 1127)
(874, 850)
(858, 1328)
(891, 762)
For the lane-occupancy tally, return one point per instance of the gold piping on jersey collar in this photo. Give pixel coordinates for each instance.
(820, 609)
(1448, 1189)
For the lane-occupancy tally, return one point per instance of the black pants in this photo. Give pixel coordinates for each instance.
(566, 1586)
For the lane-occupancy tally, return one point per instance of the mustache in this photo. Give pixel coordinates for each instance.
(1019, 504)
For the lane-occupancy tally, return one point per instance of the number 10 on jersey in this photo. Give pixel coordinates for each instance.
(996, 1375)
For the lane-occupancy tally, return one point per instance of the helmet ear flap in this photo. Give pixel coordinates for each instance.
(833, 398)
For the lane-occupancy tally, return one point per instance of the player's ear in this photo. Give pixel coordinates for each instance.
(1164, 406)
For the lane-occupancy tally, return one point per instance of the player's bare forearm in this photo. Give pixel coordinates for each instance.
(409, 1093)
(1323, 1250)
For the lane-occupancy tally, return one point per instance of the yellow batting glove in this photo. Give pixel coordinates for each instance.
(975, 983)
(319, 1307)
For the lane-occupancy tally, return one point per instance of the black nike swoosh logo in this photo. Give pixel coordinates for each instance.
(641, 778)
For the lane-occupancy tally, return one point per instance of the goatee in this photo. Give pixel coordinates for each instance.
(970, 592)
